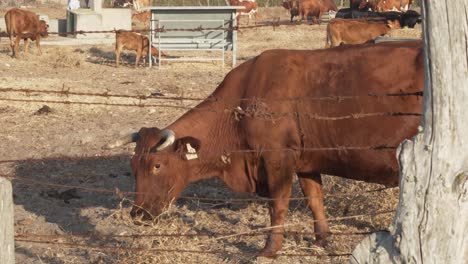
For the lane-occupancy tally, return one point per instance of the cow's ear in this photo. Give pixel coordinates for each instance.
(188, 147)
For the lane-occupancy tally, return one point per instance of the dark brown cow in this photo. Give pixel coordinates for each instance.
(19, 21)
(292, 6)
(357, 31)
(133, 41)
(315, 9)
(250, 9)
(258, 145)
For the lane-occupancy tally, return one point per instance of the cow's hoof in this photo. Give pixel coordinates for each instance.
(323, 243)
(268, 253)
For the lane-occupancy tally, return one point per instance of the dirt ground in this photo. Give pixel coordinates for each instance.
(79, 130)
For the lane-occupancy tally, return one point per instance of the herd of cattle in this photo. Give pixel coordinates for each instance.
(256, 136)
(362, 22)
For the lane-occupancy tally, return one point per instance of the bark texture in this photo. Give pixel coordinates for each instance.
(431, 224)
(7, 246)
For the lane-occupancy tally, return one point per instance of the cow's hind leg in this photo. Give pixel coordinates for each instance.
(311, 185)
(38, 45)
(15, 46)
(279, 174)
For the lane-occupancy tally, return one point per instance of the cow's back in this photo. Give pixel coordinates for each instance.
(308, 123)
(356, 31)
(21, 21)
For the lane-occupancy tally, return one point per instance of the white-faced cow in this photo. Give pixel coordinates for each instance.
(262, 126)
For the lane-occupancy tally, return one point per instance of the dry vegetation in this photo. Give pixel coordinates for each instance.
(80, 131)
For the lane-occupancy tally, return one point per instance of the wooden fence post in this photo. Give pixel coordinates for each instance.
(7, 246)
(431, 223)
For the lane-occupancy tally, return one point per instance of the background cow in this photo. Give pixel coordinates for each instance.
(385, 5)
(250, 9)
(19, 21)
(133, 41)
(242, 135)
(406, 19)
(315, 9)
(357, 31)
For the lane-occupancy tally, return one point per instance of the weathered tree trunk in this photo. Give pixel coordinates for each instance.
(7, 246)
(431, 224)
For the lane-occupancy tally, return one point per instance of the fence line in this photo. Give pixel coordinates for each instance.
(118, 192)
(166, 250)
(274, 24)
(215, 153)
(243, 113)
(255, 232)
(215, 235)
(67, 93)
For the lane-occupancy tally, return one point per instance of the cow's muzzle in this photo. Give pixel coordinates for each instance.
(140, 216)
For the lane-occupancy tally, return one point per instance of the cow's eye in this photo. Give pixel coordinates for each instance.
(157, 166)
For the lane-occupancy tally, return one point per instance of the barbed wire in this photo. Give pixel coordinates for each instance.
(67, 92)
(242, 113)
(171, 250)
(116, 191)
(274, 24)
(215, 235)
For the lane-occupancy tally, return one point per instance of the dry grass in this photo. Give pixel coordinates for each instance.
(64, 57)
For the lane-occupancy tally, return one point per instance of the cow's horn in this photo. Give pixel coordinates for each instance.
(133, 137)
(168, 137)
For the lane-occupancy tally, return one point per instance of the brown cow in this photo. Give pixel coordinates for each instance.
(250, 9)
(244, 136)
(143, 17)
(19, 21)
(385, 5)
(293, 7)
(133, 41)
(357, 31)
(315, 9)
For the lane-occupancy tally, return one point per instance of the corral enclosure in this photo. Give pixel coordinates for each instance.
(65, 184)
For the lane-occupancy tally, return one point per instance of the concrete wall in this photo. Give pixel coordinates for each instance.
(107, 19)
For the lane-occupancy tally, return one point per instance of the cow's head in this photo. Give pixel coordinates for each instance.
(43, 28)
(295, 7)
(161, 164)
(364, 4)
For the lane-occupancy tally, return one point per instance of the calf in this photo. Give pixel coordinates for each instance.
(20, 22)
(357, 31)
(133, 41)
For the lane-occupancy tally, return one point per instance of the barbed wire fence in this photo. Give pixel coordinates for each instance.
(57, 240)
(139, 100)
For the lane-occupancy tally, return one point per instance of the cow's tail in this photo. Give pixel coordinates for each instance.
(9, 19)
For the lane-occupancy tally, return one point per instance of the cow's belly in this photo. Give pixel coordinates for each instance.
(376, 166)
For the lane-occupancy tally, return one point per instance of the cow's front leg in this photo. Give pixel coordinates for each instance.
(279, 173)
(26, 45)
(15, 46)
(137, 59)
